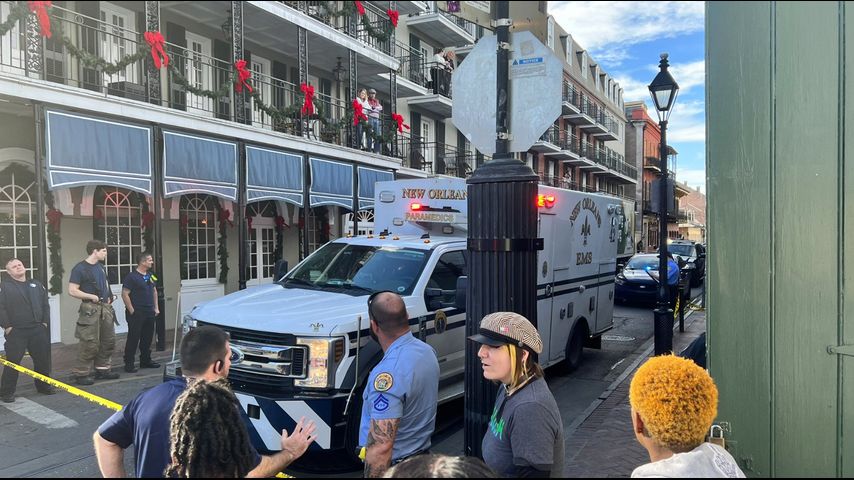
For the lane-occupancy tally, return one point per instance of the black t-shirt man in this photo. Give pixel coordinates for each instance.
(92, 280)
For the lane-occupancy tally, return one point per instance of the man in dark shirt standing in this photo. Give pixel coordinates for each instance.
(140, 297)
(24, 316)
(96, 323)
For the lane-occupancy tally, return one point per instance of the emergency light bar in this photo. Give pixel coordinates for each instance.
(547, 201)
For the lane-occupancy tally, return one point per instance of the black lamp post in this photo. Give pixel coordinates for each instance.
(663, 90)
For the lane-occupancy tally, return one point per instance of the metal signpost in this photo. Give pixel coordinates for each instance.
(502, 224)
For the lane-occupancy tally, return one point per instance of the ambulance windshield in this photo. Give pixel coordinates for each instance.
(359, 269)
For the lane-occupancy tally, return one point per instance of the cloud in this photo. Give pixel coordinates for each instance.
(692, 177)
(599, 26)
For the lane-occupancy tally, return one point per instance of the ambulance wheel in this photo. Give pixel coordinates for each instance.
(575, 346)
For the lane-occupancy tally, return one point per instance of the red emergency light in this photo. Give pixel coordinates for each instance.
(547, 201)
(415, 206)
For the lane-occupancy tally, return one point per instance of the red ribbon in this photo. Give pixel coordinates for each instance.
(393, 15)
(40, 9)
(242, 76)
(280, 222)
(54, 216)
(225, 217)
(358, 114)
(399, 119)
(184, 221)
(156, 41)
(98, 215)
(308, 102)
(147, 220)
(360, 7)
(249, 222)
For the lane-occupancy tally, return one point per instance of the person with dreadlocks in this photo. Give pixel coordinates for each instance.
(525, 437)
(207, 434)
(144, 422)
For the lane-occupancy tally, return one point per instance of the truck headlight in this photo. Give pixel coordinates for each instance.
(188, 324)
(323, 356)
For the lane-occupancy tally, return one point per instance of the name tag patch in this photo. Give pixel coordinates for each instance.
(381, 403)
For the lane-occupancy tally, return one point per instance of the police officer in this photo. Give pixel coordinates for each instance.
(24, 317)
(399, 402)
(96, 321)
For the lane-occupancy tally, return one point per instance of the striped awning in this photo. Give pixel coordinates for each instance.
(194, 164)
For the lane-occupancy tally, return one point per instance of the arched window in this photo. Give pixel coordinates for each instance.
(18, 237)
(118, 220)
(198, 237)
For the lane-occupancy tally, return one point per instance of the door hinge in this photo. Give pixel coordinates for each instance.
(847, 350)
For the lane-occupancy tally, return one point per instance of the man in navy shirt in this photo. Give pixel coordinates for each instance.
(144, 422)
(140, 298)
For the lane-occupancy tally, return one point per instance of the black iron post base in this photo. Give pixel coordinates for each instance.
(663, 329)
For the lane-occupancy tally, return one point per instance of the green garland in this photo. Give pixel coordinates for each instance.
(18, 12)
(55, 248)
(383, 34)
(222, 247)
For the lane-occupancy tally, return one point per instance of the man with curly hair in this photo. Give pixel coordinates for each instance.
(674, 403)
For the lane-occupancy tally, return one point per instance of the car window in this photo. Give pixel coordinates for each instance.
(450, 266)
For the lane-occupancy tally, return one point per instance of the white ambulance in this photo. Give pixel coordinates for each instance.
(301, 346)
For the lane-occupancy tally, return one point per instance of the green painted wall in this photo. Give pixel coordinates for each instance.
(778, 148)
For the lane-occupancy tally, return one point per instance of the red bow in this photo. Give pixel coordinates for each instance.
(280, 222)
(98, 215)
(393, 15)
(40, 9)
(184, 221)
(147, 220)
(308, 103)
(399, 119)
(53, 218)
(155, 41)
(358, 114)
(225, 217)
(242, 76)
(249, 222)
(360, 8)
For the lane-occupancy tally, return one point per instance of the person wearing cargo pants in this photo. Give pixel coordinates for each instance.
(96, 319)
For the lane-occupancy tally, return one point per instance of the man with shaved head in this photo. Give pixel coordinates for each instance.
(399, 401)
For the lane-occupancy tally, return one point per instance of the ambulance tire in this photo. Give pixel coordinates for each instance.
(575, 346)
(351, 440)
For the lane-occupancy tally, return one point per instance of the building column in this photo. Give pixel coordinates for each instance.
(156, 203)
(38, 114)
(152, 73)
(237, 54)
(302, 35)
(243, 248)
(353, 75)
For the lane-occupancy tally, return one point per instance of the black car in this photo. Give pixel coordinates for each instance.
(636, 282)
(692, 258)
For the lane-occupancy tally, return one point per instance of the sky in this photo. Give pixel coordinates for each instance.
(626, 39)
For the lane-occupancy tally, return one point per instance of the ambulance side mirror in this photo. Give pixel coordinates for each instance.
(281, 268)
(462, 287)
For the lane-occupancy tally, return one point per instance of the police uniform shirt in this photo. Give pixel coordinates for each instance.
(404, 385)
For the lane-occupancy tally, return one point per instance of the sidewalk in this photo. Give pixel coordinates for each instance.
(601, 442)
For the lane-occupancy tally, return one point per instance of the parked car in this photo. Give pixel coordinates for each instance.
(693, 258)
(637, 282)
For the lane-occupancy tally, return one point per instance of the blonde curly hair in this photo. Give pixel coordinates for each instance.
(677, 401)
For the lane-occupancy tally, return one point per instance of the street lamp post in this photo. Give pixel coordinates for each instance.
(663, 90)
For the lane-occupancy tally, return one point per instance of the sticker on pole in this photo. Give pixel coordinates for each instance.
(527, 67)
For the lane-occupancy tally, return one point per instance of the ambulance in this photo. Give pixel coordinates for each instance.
(301, 346)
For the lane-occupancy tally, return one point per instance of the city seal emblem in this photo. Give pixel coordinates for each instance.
(383, 382)
(441, 321)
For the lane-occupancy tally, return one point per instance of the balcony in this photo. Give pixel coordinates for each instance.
(410, 8)
(610, 124)
(584, 116)
(438, 99)
(435, 158)
(413, 76)
(549, 142)
(568, 147)
(652, 163)
(571, 99)
(442, 28)
(597, 113)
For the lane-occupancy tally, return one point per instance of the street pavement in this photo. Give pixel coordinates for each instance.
(50, 436)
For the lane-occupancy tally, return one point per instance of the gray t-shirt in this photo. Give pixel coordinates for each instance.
(525, 430)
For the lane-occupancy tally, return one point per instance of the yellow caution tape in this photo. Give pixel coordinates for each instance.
(62, 386)
(76, 391)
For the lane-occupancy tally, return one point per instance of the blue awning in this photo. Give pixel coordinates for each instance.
(273, 175)
(367, 178)
(331, 183)
(199, 165)
(83, 150)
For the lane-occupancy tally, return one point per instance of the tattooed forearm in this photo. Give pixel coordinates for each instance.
(379, 447)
